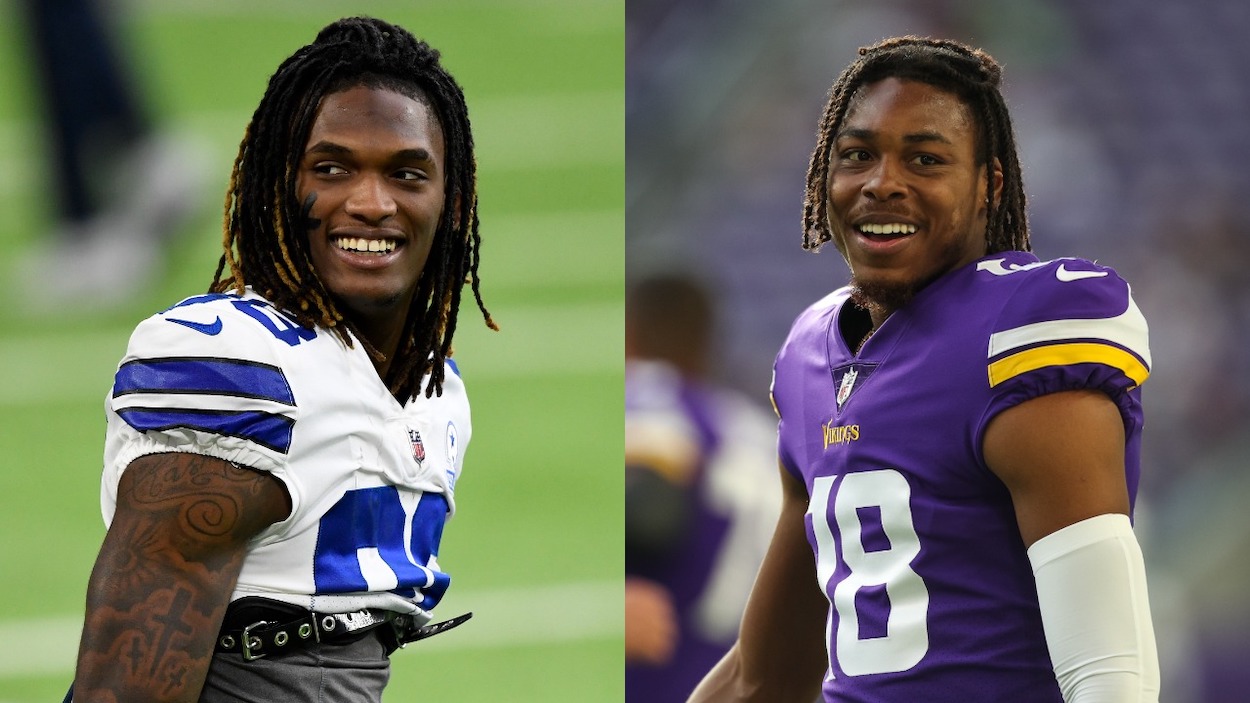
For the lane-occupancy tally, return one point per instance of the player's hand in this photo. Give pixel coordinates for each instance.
(651, 629)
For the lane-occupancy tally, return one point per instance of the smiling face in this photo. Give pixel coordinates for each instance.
(374, 170)
(907, 200)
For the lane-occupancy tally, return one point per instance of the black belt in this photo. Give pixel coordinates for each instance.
(259, 627)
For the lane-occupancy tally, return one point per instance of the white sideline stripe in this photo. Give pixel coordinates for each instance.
(567, 612)
(535, 341)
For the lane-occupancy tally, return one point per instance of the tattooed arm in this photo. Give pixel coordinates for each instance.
(164, 576)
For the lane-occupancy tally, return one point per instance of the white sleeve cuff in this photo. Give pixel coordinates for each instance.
(1091, 587)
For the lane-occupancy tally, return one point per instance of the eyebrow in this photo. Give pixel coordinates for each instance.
(324, 147)
(333, 149)
(913, 138)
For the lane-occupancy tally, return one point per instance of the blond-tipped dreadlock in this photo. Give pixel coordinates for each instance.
(262, 246)
(969, 73)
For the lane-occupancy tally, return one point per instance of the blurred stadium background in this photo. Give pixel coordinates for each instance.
(536, 550)
(1132, 121)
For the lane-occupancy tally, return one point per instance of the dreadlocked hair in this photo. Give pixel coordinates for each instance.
(263, 243)
(969, 73)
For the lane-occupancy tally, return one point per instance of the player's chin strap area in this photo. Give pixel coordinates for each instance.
(257, 628)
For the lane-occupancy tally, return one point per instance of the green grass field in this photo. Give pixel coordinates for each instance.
(536, 549)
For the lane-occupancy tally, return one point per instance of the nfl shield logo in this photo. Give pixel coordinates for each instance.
(418, 449)
(848, 384)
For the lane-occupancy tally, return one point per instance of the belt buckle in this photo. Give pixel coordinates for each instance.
(249, 642)
(408, 634)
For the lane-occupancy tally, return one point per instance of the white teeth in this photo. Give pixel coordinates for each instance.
(361, 245)
(891, 228)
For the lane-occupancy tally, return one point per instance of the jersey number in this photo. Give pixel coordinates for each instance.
(279, 325)
(372, 540)
(881, 603)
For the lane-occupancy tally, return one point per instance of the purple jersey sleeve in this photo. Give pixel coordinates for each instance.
(1071, 324)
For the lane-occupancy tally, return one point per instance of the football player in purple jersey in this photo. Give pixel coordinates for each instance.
(959, 426)
(282, 452)
(700, 498)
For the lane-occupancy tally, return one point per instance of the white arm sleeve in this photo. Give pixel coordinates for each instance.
(1091, 586)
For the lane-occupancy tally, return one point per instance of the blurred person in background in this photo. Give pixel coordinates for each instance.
(122, 186)
(651, 628)
(700, 490)
(960, 426)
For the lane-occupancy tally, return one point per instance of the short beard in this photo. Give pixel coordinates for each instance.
(882, 299)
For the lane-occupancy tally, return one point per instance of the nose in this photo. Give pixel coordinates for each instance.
(370, 199)
(885, 181)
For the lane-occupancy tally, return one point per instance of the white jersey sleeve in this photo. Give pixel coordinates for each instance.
(202, 377)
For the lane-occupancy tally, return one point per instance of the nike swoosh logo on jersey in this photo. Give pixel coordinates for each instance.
(1065, 275)
(209, 328)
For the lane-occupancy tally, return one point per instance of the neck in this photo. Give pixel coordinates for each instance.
(878, 307)
(857, 325)
(383, 334)
(878, 316)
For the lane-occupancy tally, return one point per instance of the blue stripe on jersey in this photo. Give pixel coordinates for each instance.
(454, 369)
(208, 376)
(265, 429)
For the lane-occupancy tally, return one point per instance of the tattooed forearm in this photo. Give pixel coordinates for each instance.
(153, 647)
(165, 573)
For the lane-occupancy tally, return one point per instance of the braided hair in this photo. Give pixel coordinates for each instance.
(969, 73)
(263, 243)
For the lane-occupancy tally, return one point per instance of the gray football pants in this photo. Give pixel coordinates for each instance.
(324, 673)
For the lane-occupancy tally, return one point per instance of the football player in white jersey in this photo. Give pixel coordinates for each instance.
(282, 452)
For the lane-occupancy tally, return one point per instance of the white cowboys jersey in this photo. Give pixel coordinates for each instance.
(371, 481)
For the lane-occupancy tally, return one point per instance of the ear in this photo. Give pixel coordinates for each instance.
(996, 181)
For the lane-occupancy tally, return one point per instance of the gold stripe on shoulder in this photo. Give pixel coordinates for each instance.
(1065, 354)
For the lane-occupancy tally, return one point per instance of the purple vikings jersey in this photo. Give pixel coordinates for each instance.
(371, 481)
(721, 448)
(917, 547)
